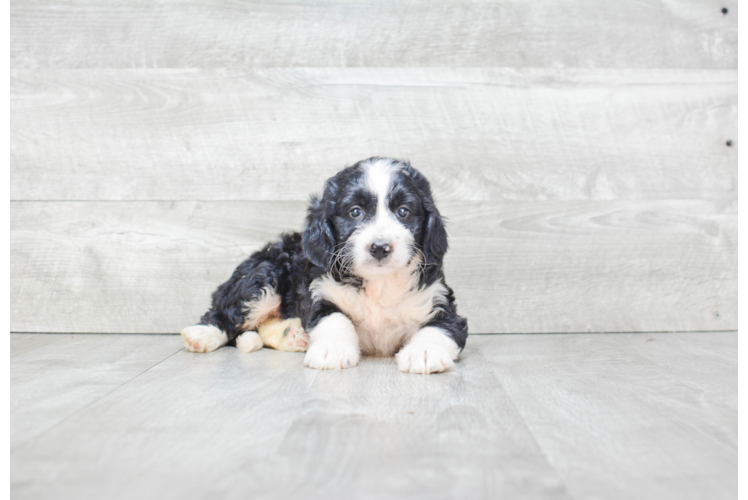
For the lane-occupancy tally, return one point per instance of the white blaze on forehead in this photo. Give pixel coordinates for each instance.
(379, 177)
(384, 226)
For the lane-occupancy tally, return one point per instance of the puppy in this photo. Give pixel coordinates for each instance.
(364, 277)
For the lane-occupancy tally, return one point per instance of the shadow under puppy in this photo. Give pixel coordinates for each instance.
(364, 277)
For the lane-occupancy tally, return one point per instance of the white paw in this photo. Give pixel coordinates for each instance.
(333, 344)
(203, 338)
(429, 351)
(327, 355)
(423, 358)
(249, 342)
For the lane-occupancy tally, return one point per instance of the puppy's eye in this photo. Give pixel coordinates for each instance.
(355, 212)
(402, 212)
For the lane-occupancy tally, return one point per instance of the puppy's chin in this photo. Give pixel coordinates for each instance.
(371, 268)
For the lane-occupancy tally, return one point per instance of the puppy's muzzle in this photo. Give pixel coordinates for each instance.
(380, 249)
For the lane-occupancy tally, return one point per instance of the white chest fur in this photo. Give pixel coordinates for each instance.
(386, 310)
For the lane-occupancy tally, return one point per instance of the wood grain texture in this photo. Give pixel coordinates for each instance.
(62, 374)
(551, 33)
(149, 267)
(277, 134)
(24, 343)
(100, 252)
(234, 425)
(578, 417)
(715, 376)
(663, 265)
(614, 424)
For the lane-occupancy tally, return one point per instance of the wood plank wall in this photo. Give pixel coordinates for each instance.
(579, 149)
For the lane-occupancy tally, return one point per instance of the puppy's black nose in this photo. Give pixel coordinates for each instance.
(379, 250)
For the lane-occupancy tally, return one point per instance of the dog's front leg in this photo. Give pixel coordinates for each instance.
(333, 343)
(430, 350)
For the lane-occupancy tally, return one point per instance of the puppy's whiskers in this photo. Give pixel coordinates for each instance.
(342, 260)
(422, 264)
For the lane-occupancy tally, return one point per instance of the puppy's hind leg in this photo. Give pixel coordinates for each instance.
(283, 335)
(245, 301)
(221, 325)
(203, 338)
(216, 329)
(249, 342)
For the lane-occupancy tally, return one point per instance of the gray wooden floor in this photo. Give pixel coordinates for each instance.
(522, 416)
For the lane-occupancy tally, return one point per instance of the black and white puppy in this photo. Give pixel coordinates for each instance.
(364, 277)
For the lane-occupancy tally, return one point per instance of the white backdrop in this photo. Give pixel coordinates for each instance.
(579, 150)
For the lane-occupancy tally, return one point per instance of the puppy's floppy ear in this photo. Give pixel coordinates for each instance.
(435, 242)
(318, 238)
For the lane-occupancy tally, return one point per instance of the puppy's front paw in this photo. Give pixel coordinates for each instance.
(326, 355)
(333, 344)
(203, 338)
(424, 357)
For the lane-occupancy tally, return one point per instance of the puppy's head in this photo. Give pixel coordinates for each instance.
(374, 219)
